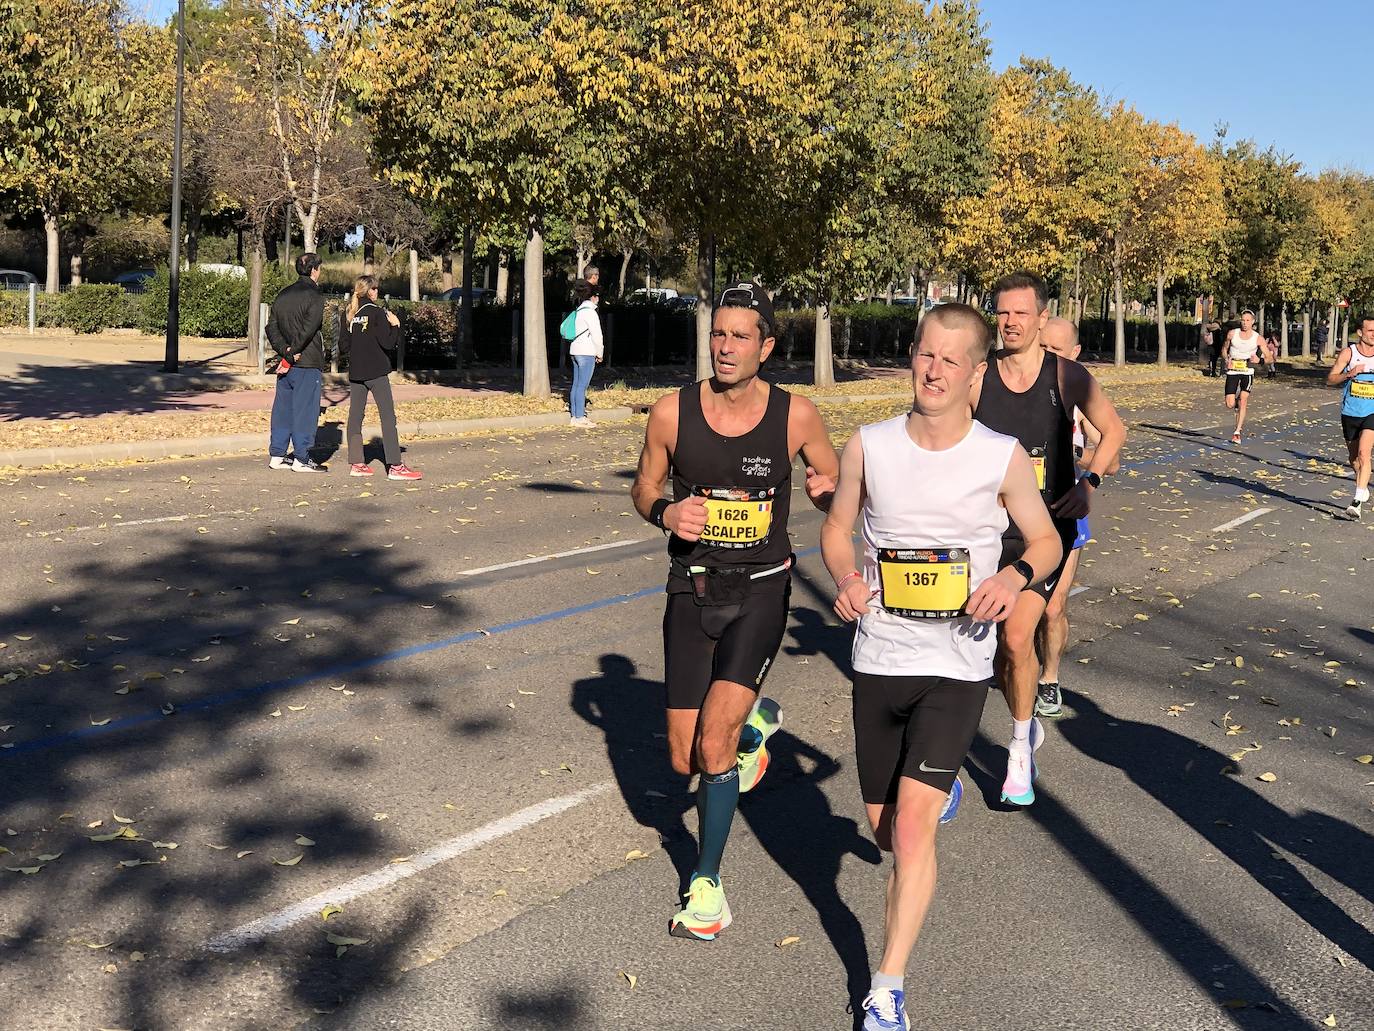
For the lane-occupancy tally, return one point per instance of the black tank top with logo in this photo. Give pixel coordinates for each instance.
(1039, 420)
(747, 481)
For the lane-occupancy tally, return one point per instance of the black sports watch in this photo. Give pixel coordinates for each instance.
(1093, 479)
(1025, 569)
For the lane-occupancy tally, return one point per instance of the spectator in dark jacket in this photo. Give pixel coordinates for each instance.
(369, 331)
(293, 329)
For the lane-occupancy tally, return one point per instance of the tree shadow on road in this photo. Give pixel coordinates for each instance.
(34, 391)
(791, 817)
(1193, 949)
(629, 712)
(1325, 508)
(1237, 821)
(156, 687)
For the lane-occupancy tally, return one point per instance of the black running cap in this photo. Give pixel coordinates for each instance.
(750, 295)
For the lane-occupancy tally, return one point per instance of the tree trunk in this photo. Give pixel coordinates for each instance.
(254, 301)
(1077, 315)
(76, 260)
(286, 240)
(503, 278)
(1120, 308)
(446, 270)
(1283, 328)
(704, 299)
(238, 245)
(1307, 330)
(584, 258)
(532, 299)
(825, 353)
(414, 274)
(627, 256)
(369, 253)
(193, 220)
(308, 230)
(1260, 319)
(466, 345)
(1333, 329)
(493, 259)
(54, 279)
(1231, 307)
(1163, 358)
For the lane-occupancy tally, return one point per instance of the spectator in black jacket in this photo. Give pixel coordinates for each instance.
(368, 332)
(293, 330)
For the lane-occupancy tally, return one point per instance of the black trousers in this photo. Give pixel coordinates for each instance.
(380, 389)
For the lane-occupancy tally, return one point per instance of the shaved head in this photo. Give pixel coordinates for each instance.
(1060, 337)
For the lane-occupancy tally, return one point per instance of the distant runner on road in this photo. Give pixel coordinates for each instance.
(1060, 338)
(1030, 394)
(1243, 351)
(728, 442)
(1354, 370)
(935, 489)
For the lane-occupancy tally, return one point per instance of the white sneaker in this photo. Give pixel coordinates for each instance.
(1353, 512)
(307, 466)
(279, 462)
(587, 423)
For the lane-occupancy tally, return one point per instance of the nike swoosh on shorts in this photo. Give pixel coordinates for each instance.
(931, 769)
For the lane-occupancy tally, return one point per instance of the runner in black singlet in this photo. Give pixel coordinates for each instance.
(728, 443)
(1030, 394)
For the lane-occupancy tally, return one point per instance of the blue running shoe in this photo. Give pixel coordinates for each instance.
(885, 1010)
(956, 795)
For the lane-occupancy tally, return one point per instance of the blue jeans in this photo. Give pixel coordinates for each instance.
(583, 364)
(296, 412)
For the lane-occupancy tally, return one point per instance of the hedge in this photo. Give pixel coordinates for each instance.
(209, 304)
(87, 308)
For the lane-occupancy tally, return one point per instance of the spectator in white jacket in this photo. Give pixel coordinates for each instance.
(586, 349)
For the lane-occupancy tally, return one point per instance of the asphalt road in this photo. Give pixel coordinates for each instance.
(289, 693)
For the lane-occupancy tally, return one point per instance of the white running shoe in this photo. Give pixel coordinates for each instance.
(307, 466)
(279, 462)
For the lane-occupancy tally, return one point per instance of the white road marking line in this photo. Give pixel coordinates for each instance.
(556, 554)
(263, 927)
(1243, 519)
(115, 523)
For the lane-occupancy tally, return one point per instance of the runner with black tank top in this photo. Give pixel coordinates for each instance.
(1029, 394)
(728, 444)
(1242, 353)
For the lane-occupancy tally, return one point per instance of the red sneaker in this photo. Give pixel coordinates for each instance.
(360, 470)
(401, 471)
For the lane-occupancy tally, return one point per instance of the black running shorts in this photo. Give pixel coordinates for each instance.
(706, 643)
(917, 727)
(1014, 547)
(1237, 383)
(1351, 425)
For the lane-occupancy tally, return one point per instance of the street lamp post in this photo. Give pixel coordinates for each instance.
(169, 364)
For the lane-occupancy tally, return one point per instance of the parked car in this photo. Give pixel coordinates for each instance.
(16, 279)
(480, 295)
(659, 295)
(135, 280)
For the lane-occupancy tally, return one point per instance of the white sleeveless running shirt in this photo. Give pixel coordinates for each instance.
(1243, 348)
(930, 499)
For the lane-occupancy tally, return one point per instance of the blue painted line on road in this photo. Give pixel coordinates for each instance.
(215, 701)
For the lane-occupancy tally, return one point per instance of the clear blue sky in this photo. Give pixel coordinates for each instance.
(1295, 75)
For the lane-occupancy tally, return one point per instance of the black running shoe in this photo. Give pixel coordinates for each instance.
(1048, 700)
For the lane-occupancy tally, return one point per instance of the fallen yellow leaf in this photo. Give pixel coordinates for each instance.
(1268, 778)
(791, 939)
(287, 862)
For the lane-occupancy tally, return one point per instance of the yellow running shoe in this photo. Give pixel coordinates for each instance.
(706, 913)
(766, 719)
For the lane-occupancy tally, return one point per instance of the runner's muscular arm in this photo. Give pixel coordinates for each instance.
(806, 433)
(1079, 389)
(837, 533)
(685, 518)
(995, 596)
(1337, 376)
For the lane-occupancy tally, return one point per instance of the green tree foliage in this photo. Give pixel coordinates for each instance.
(85, 93)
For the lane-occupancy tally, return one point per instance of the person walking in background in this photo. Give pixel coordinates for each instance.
(1321, 336)
(369, 332)
(586, 349)
(293, 330)
(1271, 353)
(1207, 352)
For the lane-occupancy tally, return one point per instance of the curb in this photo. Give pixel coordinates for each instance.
(197, 447)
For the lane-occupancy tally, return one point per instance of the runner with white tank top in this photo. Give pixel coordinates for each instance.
(1242, 355)
(935, 490)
